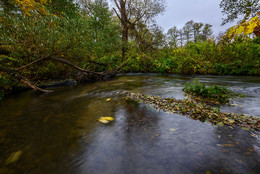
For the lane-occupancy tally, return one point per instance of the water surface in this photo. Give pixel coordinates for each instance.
(58, 133)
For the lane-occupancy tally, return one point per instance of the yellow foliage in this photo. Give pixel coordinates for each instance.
(245, 28)
(32, 5)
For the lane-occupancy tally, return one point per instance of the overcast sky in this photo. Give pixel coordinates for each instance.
(178, 12)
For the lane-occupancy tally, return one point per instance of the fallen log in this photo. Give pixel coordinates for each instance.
(23, 80)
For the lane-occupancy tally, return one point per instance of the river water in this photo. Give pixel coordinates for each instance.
(58, 133)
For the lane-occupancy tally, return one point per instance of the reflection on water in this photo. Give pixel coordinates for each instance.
(59, 133)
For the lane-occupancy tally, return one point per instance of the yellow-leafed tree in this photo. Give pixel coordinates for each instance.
(32, 5)
(248, 27)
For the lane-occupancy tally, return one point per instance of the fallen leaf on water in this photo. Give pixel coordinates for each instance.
(108, 99)
(172, 130)
(245, 128)
(219, 145)
(220, 124)
(254, 135)
(228, 145)
(14, 157)
(251, 150)
(208, 172)
(240, 161)
(105, 120)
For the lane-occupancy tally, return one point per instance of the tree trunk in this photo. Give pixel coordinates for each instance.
(125, 28)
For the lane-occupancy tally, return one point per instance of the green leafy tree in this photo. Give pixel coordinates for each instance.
(197, 26)
(130, 12)
(63, 7)
(181, 37)
(187, 30)
(148, 38)
(103, 33)
(206, 32)
(173, 36)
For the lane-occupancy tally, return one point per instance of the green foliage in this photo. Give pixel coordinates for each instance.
(6, 84)
(32, 37)
(215, 92)
(103, 32)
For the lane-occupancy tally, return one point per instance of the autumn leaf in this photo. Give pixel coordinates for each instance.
(172, 130)
(245, 28)
(14, 157)
(108, 99)
(228, 145)
(105, 120)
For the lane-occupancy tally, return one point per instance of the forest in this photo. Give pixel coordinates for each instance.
(43, 41)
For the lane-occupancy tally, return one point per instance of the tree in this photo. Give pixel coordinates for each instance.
(206, 32)
(173, 36)
(63, 7)
(247, 27)
(132, 11)
(25, 6)
(101, 30)
(234, 9)
(197, 30)
(181, 38)
(187, 30)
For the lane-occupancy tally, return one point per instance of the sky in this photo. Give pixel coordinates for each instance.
(178, 12)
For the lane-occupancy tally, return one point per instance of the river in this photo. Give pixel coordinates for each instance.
(58, 133)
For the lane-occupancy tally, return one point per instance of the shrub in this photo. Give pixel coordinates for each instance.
(213, 92)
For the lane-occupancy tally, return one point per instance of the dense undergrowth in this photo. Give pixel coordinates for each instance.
(215, 93)
(239, 57)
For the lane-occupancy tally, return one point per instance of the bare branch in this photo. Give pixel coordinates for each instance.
(74, 66)
(38, 60)
(117, 5)
(117, 14)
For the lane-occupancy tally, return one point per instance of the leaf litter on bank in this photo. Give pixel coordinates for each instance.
(197, 110)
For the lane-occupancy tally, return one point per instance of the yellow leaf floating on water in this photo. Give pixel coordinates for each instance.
(228, 145)
(208, 172)
(14, 157)
(105, 120)
(254, 135)
(172, 130)
(108, 99)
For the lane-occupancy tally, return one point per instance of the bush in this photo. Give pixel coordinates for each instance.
(214, 92)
